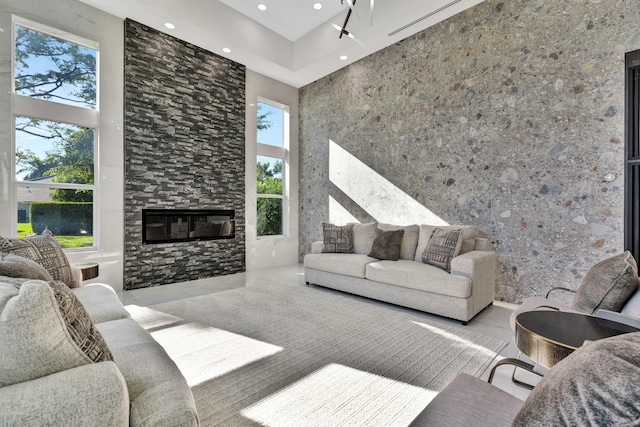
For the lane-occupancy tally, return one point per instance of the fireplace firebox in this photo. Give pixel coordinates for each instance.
(183, 225)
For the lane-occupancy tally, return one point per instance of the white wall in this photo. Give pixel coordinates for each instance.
(79, 19)
(271, 251)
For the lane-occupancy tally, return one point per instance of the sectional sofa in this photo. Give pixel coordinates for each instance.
(71, 354)
(460, 293)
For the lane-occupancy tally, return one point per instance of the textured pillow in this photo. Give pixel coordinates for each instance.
(596, 385)
(363, 236)
(443, 246)
(44, 329)
(608, 284)
(17, 266)
(337, 239)
(387, 245)
(469, 234)
(46, 251)
(409, 240)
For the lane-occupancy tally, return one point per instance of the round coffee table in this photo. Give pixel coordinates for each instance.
(547, 337)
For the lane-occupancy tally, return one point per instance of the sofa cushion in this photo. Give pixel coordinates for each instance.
(43, 330)
(346, 264)
(16, 266)
(608, 284)
(469, 234)
(159, 393)
(387, 244)
(337, 239)
(101, 302)
(363, 236)
(419, 276)
(46, 251)
(443, 246)
(596, 385)
(409, 240)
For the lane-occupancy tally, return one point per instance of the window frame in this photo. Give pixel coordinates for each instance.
(27, 106)
(278, 153)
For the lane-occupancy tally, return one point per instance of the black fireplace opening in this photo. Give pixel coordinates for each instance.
(184, 225)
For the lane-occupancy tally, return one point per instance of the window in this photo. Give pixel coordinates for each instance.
(271, 185)
(55, 117)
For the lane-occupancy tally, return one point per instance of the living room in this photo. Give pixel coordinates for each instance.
(509, 116)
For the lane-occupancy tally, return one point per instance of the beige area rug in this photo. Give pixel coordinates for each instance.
(286, 355)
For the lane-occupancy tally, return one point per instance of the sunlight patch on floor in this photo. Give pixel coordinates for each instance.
(149, 318)
(203, 353)
(340, 395)
(454, 337)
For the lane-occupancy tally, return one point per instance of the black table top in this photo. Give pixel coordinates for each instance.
(569, 329)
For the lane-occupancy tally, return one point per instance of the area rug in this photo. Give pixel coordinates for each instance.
(290, 355)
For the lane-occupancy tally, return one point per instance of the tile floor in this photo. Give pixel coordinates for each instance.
(492, 321)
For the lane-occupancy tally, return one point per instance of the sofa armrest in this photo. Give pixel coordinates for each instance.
(480, 267)
(88, 395)
(316, 247)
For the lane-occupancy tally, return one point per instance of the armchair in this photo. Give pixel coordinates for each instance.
(595, 385)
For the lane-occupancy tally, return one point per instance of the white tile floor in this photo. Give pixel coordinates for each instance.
(492, 321)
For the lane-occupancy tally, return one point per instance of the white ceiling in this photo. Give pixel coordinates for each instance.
(290, 41)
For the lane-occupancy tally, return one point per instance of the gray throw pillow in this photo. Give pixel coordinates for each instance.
(596, 385)
(387, 244)
(44, 329)
(337, 239)
(16, 266)
(443, 246)
(46, 251)
(608, 284)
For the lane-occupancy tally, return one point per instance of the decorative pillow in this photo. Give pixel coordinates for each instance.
(337, 239)
(44, 329)
(16, 266)
(387, 245)
(595, 385)
(608, 284)
(46, 251)
(363, 236)
(469, 234)
(443, 246)
(409, 240)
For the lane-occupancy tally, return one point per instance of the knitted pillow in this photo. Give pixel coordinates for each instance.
(337, 239)
(595, 385)
(608, 284)
(16, 266)
(46, 251)
(44, 329)
(443, 246)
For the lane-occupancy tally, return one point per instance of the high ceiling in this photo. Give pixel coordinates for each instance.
(290, 41)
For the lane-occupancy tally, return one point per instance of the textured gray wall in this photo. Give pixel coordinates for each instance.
(506, 116)
(184, 148)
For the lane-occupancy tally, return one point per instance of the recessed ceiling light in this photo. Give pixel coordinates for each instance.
(262, 6)
(226, 50)
(317, 6)
(344, 58)
(169, 25)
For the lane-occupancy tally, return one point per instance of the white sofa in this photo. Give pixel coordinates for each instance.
(408, 282)
(142, 386)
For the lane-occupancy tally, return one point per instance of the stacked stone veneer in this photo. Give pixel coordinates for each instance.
(506, 116)
(184, 149)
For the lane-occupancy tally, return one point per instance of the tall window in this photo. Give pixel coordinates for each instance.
(55, 98)
(632, 154)
(273, 144)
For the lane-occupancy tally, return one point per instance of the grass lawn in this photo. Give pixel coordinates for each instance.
(67, 242)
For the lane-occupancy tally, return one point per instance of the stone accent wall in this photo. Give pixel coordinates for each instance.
(184, 148)
(506, 116)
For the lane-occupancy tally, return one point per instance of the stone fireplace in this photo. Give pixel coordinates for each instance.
(184, 136)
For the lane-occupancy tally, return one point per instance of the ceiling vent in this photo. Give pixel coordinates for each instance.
(428, 15)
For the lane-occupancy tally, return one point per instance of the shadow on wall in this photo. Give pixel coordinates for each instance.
(360, 194)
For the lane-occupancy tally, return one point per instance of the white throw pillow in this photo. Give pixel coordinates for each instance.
(363, 237)
(35, 337)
